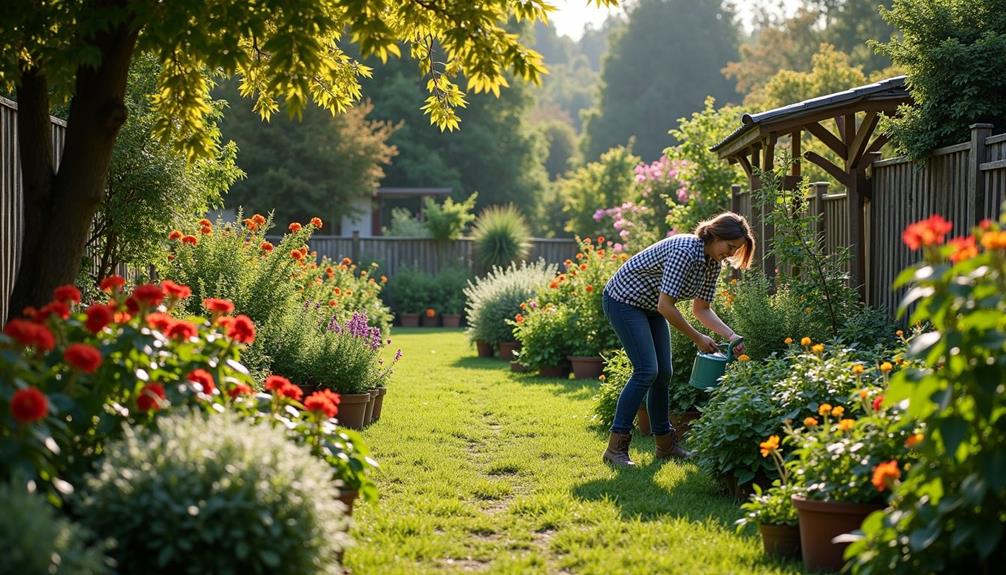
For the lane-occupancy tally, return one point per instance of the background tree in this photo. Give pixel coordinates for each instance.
(595, 186)
(151, 187)
(313, 167)
(661, 67)
(954, 54)
(291, 51)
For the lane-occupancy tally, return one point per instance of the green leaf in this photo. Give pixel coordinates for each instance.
(953, 430)
(987, 537)
(921, 539)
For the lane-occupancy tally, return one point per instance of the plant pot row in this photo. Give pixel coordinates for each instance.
(358, 410)
(437, 320)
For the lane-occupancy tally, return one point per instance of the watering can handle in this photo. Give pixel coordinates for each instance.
(730, 348)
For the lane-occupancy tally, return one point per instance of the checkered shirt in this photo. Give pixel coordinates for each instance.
(676, 266)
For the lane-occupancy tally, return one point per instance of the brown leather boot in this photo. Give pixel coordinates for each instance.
(668, 448)
(617, 453)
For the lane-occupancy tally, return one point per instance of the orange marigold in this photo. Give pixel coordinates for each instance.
(926, 232)
(824, 409)
(295, 227)
(190, 240)
(805, 341)
(769, 445)
(788, 340)
(175, 235)
(846, 424)
(913, 440)
(316, 222)
(810, 422)
(885, 474)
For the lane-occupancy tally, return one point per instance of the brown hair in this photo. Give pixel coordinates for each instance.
(729, 226)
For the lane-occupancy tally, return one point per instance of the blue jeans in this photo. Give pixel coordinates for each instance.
(647, 341)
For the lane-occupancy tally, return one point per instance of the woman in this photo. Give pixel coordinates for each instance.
(641, 296)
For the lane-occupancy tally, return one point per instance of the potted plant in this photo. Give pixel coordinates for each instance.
(408, 294)
(772, 510)
(543, 334)
(493, 299)
(450, 285)
(846, 467)
(430, 317)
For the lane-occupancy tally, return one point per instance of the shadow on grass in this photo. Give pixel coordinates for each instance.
(575, 388)
(490, 363)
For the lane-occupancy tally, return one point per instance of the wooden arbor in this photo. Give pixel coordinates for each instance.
(855, 114)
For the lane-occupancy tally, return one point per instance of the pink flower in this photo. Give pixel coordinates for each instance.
(617, 247)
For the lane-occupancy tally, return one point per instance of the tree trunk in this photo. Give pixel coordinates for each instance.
(59, 208)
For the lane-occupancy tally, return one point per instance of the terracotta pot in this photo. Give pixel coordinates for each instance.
(451, 319)
(780, 540)
(409, 319)
(353, 410)
(518, 367)
(348, 498)
(554, 371)
(822, 521)
(507, 349)
(379, 402)
(484, 348)
(428, 321)
(643, 420)
(682, 422)
(368, 414)
(586, 367)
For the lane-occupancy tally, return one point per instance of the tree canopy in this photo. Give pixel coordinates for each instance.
(660, 67)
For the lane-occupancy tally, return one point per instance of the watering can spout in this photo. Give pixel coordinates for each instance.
(710, 367)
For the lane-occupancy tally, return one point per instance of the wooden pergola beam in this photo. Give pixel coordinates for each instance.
(833, 170)
(858, 148)
(827, 138)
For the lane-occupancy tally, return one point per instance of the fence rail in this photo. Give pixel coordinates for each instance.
(965, 183)
(431, 256)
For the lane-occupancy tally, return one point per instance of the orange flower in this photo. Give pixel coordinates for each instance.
(206, 230)
(927, 232)
(332, 303)
(266, 247)
(913, 440)
(554, 284)
(589, 288)
(579, 256)
(824, 409)
(295, 227)
(316, 222)
(810, 422)
(346, 261)
(295, 254)
(600, 252)
(769, 445)
(886, 367)
(858, 369)
(863, 394)
(805, 341)
(846, 424)
(190, 240)
(250, 223)
(258, 219)
(600, 239)
(205, 223)
(885, 474)
(788, 341)
(384, 279)
(519, 318)
(818, 348)
(587, 240)
(175, 235)
(430, 312)
(583, 267)
(743, 357)
(899, 333)
(337, 291)
(964, 249)
(837, 411)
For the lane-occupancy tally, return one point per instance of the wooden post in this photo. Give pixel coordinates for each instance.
(355, 251)
(976, 183)
(768, 262)
(735, 199)
(858, 185)
(820, 190)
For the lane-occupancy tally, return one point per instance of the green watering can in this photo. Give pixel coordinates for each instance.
(710, 367)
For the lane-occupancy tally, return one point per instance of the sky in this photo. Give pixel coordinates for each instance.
(570, 16)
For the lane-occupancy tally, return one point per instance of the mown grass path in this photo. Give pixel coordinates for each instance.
(492, 472)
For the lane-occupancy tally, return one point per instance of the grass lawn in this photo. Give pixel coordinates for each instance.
(488, 471)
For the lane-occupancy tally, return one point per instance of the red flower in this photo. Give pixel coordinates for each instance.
(148, 294)
(217, 305)
(28, 405)
(206, 230)
(241, 329)
(205, 223)
(291, 391)
(203, 378)
(878, 402)
(182, 330)
(160, 321)
(84, 357)
(964, 249)
(56, 308)
(239, 389)
(190, 240)
(926, 232)
(316, 222)
(175, 291)
(30, 334)
(600, 239)
(66, 294)
(150, 397)
(175, 235)
(98, 316)
(295, 227)
(297, 255)
(430, 312)
(258, 219)
(346, 261)
(276, 382)
(266, 247)
(324, 401)
(112, 283)
(589, 288)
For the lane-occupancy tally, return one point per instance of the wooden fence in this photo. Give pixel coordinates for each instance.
(964, 183)
(431, 256)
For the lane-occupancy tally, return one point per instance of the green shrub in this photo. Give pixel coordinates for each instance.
(35, 539)
(447, 221)
(774, 506)
(766, 320)
(410, 290)
(501, 237)
(580, 289)
(215, 495)
(617, 371)
(545, 336)
(405, 225)
(497, 297)
(449, 290)
(359, 366)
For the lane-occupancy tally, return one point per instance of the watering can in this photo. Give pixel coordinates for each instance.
(710, 367)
